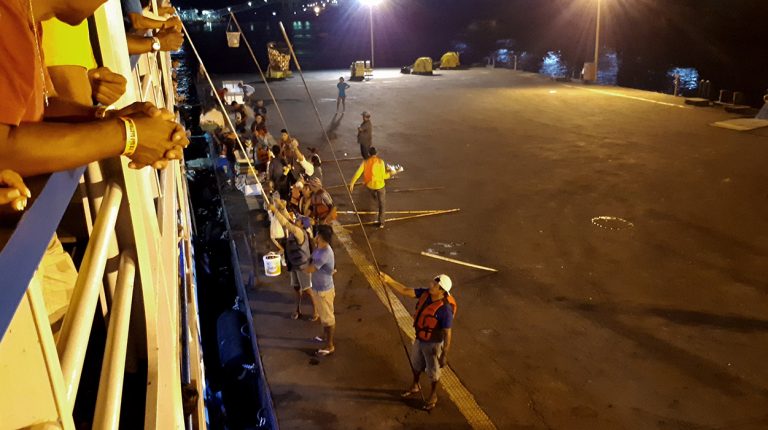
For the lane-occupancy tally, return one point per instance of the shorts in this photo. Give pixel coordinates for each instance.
(424, 357)
(324, 304)
(300, 280)
(58, 276)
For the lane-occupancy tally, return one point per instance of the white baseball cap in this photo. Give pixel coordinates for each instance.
(444, 282)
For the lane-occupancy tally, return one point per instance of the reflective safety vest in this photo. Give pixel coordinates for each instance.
(425, 317)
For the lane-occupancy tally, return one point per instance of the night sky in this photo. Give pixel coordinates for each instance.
(726, 40)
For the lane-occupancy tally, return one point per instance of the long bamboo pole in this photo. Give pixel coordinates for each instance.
(404, 218)
(459, 262)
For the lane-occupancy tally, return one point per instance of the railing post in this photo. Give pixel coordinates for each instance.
(76, 328)
(112, 370)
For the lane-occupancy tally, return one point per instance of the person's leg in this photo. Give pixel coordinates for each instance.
(432, 352)
(329, 332)
(296, 287)
(364, 151)
(338, 102)
(58, 277)
(344, 104)
(305, 285)
(315, 306)
(381, 196)
(327, 318)
(419, 363)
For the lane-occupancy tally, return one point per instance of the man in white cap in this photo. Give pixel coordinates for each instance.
(365, 135)
(432, 321)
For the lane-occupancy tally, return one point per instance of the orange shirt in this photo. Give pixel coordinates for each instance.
(21, 83)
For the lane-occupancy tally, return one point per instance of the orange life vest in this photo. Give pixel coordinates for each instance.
(319, 209)
(425, 317)
(263, 155)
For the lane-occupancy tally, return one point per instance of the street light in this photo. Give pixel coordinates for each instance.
(597, 39)
(371, 4)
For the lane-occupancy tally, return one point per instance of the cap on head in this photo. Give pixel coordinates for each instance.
(315, 183)
(444, 282)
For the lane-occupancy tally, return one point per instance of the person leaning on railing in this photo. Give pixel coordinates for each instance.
(30, 145)
(42, 131)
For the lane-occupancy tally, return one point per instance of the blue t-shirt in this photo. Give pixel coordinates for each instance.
(324, 261)
(444, 315)
(342, 86)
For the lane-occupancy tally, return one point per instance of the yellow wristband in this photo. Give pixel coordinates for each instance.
(131, 136)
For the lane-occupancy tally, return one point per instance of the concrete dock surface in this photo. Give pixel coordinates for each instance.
(630, 238)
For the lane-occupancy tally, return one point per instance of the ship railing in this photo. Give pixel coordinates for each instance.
(136, 276)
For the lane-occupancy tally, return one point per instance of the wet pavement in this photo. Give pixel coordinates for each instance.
(630, 238)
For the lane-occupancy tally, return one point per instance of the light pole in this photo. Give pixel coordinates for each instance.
(597, 39)
(371, 4)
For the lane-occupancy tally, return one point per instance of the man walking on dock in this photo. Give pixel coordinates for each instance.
(342, 99)
(365, 135)
(322, 268)
(374, 172)
(432, 322)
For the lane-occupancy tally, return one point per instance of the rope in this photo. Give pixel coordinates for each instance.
(251, 169)
(261, 71)
(349, 193)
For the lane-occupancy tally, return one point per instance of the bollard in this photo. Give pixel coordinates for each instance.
(724, 96)
(738, 98)
(708, 89)
(515, 57)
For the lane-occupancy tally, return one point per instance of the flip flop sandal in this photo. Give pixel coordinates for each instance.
(314, 318)
(295, 315)
(428, 406)
(408, 394)
(324, 352)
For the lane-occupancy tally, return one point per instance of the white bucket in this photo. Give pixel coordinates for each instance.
(272, 264)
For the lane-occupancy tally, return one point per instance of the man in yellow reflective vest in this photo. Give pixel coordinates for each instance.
(374, 172)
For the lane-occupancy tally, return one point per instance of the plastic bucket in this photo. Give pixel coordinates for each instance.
(272, 264)
(233, 39)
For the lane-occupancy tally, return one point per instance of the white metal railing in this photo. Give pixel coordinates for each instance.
(142, 217)
(76, 330)
(112, 371)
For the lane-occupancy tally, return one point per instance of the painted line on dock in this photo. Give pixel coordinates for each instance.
(642, 99)
(458, 393)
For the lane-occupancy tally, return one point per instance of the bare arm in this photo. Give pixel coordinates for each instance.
(281, 215)
(446, 346)
(358, 173)
(400, 288)
(36, 148)
(139, 44)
